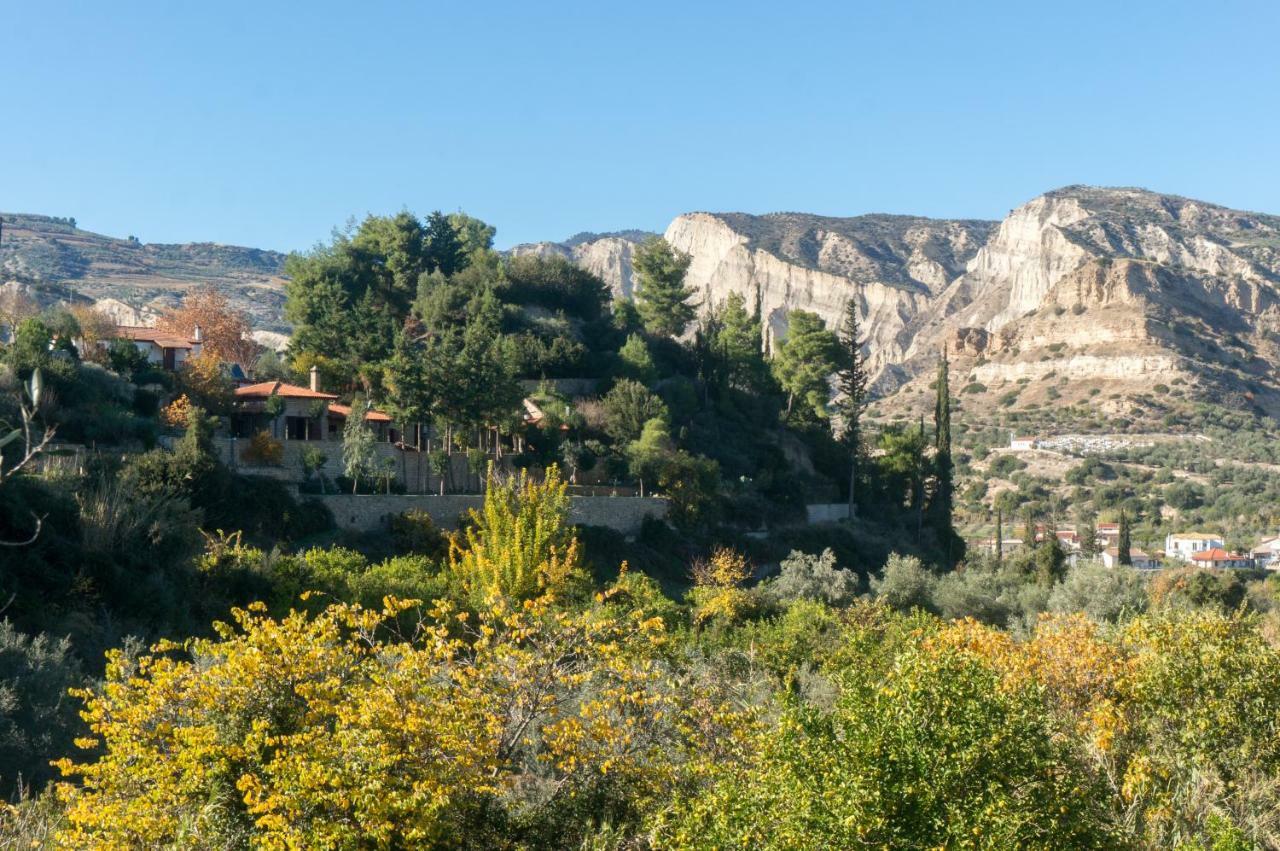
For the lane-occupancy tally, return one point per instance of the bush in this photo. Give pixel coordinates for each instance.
(263, 449)
(810, 577)
(1104, 594)
(905, 584)
(37, 717)
(415, 533)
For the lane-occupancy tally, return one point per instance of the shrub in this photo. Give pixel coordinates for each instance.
(414, 532)
(810, 577)
(36, 718)
(1104, 594)
(935, 752)
(263, 449)
(904, 584)
(176, 413)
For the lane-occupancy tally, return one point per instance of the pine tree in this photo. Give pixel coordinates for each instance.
(999, 537)
(662, 299)
(852, 383)
(1123, 547)
(444, 249)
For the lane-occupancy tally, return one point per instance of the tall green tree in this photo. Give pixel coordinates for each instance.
(665, 304)
(1124, 554)
(999, 536)
(740, 335)
(635, 360)
(445, 249)
(804, 364)
(942, 502)
(851, 381)
(359, 455)
(475, 236)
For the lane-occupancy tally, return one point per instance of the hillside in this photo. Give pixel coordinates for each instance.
(55, 260)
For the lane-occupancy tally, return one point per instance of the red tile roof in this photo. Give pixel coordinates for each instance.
(1216, 554)
(163, 339)
(278, 388)
(344, 411)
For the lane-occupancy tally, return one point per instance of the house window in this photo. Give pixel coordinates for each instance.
(295, 428)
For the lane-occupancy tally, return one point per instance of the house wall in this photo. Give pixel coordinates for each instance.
(1183, 548)
(369, 513)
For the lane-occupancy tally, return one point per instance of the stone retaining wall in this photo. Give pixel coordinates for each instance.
(365, 513)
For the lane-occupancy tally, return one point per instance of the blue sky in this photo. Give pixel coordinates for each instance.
(268, 124)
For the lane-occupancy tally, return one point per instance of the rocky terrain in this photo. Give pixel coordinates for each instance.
(1079, 291)
(53, 260)
(607, 255)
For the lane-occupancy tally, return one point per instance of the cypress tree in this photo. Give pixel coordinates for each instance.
(1123, 547)
(999, 537)
(852, 382)
(942, 503)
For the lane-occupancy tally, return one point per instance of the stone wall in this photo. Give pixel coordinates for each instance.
(365, 513)
(827, 512)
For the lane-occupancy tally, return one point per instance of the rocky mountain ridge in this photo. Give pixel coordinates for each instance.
(1092, 286)
(53, 260)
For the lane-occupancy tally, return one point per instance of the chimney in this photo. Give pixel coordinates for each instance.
(315, 379)
(197, 336)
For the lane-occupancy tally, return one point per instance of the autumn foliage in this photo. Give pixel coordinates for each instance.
(225, 330)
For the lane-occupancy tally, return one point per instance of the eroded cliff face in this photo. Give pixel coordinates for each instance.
(607, 257)
(892, 265)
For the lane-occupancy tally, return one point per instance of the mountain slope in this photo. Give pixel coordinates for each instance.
(55, 260)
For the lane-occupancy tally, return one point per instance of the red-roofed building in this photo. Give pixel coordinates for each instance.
(162, 348)
(303, 414)
(377, 420)
(1218, 557)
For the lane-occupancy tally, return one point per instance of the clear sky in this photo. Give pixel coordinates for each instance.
(269, 123)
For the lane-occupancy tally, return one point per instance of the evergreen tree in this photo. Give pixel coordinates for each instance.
(806, 359)
(444, 249)
(999, 537)
(1088, 539)
(852, 383)
(636, 362)
(1123, 546)
(741, 339)
(664, 302)
(942, 503)
(1029, 530)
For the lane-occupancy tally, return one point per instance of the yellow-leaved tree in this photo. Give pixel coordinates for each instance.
(520, 544)
(326, 732)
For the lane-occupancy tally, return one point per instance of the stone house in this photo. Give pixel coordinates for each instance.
(303, 415)
(162, 348)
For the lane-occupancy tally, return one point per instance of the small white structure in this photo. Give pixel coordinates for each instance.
(1266, 553)
(1186, 544)
(1022, 442)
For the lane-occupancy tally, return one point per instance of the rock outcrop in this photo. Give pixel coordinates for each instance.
(607, 256)
(894, 265)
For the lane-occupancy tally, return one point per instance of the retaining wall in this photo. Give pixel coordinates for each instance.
(371, 512)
